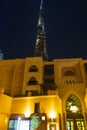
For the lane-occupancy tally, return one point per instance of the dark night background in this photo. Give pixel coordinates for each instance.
(65, 26)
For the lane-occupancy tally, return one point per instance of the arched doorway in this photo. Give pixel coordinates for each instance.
(74, 117)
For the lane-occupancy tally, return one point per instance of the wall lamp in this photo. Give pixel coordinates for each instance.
(43, 117)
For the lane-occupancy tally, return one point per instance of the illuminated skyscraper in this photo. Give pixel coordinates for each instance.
(40, 47)
(1, 55)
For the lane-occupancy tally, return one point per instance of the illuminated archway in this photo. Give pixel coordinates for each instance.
(74, 117)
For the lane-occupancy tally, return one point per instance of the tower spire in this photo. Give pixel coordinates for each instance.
(40, 46)
(41, 4)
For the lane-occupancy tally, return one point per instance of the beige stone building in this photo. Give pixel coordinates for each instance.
(53, 91)
(57, 90)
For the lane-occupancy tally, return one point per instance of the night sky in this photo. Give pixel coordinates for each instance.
(65, 26)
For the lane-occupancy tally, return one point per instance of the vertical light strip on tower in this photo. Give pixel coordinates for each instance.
(40, 47)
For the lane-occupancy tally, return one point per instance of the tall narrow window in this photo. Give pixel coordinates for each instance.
(49, 69)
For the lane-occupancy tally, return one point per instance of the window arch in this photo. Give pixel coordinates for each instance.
(32, 81)
(69, 71)
(33, 68)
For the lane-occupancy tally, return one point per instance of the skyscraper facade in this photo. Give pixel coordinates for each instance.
(40, 47)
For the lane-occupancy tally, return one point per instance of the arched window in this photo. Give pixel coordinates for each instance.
(69, 71)
(32, 81)
(33, 68)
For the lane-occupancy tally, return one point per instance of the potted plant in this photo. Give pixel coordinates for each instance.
(35, 122)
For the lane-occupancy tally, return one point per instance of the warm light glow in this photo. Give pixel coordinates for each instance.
(52, 114)
(73, 108)
(6, 119)
(27, 112)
